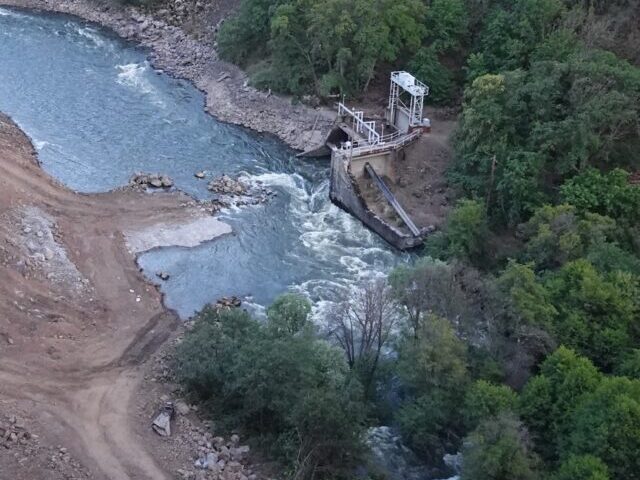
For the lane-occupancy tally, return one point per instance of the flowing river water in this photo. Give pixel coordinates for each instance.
(97, 112)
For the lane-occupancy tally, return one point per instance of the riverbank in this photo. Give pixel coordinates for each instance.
(82, 329)
(228, 96)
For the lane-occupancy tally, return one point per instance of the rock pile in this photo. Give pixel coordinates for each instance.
(25, 447)
(239, 192)
(154, 180)
(216, 458)
(227, 303)
(225, 185)
(41, 254)
(13, 432)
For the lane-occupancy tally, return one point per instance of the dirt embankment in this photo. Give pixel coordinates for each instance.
(77, 322)
(192, 56)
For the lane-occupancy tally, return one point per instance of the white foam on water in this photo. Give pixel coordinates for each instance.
(9, 13)
(332, 235)
(40, 144)
(134, 75)
(91, 34)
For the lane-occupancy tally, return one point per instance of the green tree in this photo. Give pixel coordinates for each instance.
(288, 314)
(499, 450)
(629, 366)
(607, 424)
(280, 383)
(467, 230)
(511, 35)
(527, 301)
(427, 287)
(433, 368)
(556, 234)
(610, 194)
(549, 399)
(597, 312)
(485, 400)
(582, 467)
(524, 131)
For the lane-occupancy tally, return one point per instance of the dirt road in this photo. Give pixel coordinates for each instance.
(77, 321)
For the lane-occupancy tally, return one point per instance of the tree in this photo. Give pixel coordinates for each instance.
(467, 230)
(629, 365)
(549, 399)
(607, 424)
(362, 326)
(429, 287)
(446, 27)
(557, 234)
(288, 314)
(596, 312)
(610, 194)
(527, 302)
(527, 128)
(510, 36)
(278, 382)
(433, 369)
(485, 400)
(324, 46)
(582, 467)
(498, 449)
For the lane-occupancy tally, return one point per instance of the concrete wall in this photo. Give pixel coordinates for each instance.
(382, 162)
(345, 193)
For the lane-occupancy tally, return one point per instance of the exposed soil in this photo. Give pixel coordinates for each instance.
(419, 184)
(78, 321)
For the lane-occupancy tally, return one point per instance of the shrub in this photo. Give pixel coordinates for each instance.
(582, 467)
(485, 400)
(279, 383)
(467, 230)
(499, 449)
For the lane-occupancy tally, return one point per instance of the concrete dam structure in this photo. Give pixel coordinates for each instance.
(364, 156)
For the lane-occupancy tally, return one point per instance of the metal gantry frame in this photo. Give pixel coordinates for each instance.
(404, 82)
(359, 124)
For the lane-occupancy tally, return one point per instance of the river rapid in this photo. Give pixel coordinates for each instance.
(97, 112)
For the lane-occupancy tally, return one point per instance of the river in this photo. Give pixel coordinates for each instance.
(97, 112)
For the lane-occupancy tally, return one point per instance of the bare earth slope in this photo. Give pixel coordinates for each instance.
(72, 335)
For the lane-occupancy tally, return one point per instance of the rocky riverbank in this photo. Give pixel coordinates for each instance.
(181, 54)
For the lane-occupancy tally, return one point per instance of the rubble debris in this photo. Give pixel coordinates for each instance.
(164, 276)
(154, 180)
(226, 185)
(182, 408)
(228, 303)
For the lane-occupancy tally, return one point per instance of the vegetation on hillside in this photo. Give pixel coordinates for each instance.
(516, 336)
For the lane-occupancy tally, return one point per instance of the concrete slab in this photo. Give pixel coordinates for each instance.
(188, 233)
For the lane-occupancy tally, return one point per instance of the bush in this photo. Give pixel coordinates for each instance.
(499, 449)
(607, 424)
(582, 467)
(433, 367)
(548, 400)
(485, 400)
(278, 382)
(467, 230)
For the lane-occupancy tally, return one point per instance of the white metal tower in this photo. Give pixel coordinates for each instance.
(401, 115)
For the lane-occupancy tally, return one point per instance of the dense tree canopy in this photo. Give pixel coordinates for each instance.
(518, 335)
